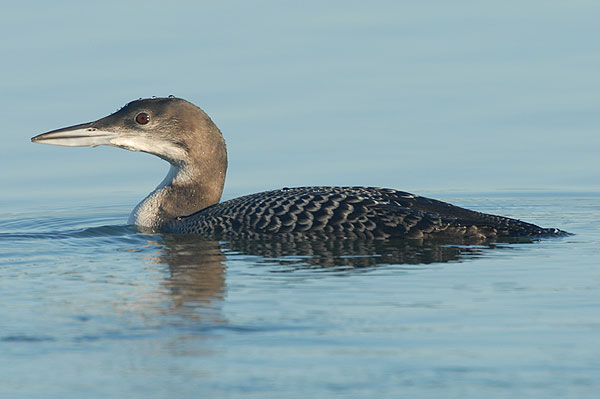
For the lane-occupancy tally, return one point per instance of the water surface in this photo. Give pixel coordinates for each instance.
(94, 308)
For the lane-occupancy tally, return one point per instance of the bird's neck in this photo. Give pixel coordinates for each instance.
(185, 190)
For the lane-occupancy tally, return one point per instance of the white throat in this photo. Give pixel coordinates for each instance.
(147, 212)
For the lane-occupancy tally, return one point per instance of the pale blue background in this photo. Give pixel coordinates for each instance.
(417, 96)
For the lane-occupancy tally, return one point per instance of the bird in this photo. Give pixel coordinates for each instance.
(187, 200)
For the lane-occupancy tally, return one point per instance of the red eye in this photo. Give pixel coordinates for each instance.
(142, 118)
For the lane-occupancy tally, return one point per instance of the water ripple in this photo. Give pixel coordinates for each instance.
(101, 231)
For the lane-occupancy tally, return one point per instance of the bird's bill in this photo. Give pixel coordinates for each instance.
(82, 135)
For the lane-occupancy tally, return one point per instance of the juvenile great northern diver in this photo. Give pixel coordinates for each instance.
(187, 200)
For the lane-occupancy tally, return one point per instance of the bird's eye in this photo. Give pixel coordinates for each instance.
(142, 118)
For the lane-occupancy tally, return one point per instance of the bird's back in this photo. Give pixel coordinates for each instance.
(348, 212)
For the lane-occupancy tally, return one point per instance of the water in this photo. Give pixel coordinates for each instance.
(94, 308)
(488, 106)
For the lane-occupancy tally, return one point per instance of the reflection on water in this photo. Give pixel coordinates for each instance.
(310, 254)
(196, 280)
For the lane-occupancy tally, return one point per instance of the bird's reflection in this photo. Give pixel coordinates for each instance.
(333, 254)
(196, 279)
(197, 267)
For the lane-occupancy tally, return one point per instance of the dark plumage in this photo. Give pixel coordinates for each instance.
(348, 212)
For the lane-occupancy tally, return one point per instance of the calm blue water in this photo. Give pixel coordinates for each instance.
(93, 308)
(489, 106)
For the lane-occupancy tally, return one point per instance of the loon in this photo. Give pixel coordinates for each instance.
(187, 200)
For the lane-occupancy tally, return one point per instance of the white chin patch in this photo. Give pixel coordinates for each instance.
(163, 149)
